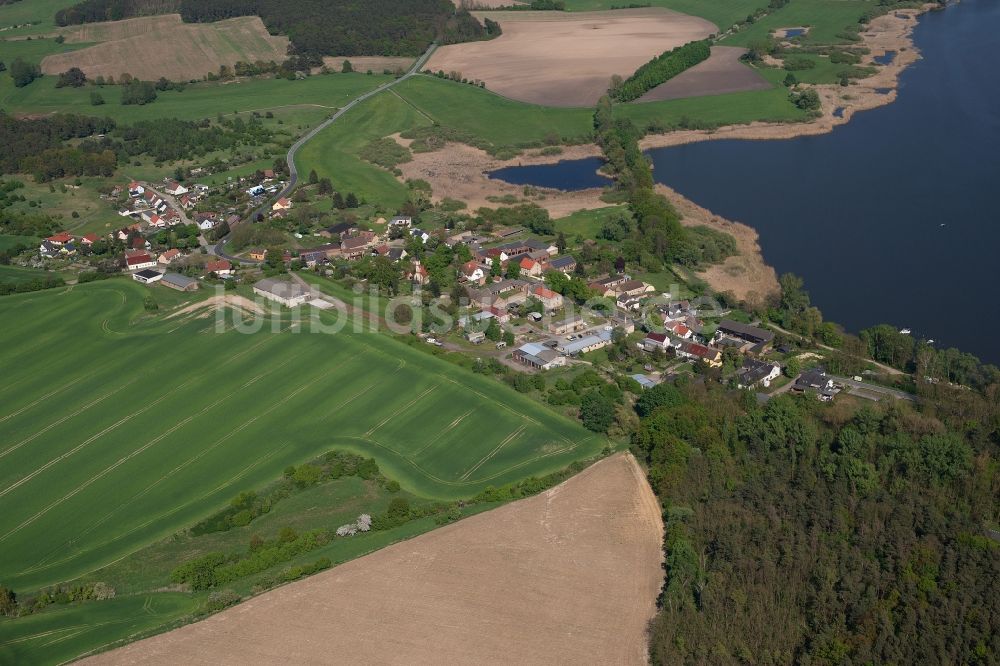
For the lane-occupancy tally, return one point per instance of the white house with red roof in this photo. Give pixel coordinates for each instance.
(473, 272)
(284, 203)
(221, 268)
(60, 239)
(175, 189)
(139, 261)
(89, 239)
(530, 267)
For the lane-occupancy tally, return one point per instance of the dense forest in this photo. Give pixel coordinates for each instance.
(315, 27)
(802, 532)
(43, 147)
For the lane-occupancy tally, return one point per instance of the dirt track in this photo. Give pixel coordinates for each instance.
(568, 576)
(567, 59)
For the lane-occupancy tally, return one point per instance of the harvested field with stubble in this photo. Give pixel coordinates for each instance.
(155, 46)
(564, 59)
(568, 576)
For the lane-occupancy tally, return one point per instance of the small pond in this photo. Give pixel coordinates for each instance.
(568, 175)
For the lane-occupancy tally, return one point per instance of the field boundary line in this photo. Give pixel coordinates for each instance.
(511, 437)
(414, 106)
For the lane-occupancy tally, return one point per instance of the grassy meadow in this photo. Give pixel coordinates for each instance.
(38, 13)
(120, 428)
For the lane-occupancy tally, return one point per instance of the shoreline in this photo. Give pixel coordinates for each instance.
(459, 171)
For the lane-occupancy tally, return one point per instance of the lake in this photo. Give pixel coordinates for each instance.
(891, 217)
(568, 175)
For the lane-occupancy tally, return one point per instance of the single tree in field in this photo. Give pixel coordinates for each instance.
(351, 201)
(313, 177)
(347, 68)
(338, 201)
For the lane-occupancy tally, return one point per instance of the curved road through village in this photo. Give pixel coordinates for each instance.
(293, 174)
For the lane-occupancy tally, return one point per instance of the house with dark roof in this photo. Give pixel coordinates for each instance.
(756, 372)
(817, 382)
(754, 339)
(564, 264)
(538, 356)
(147, 276)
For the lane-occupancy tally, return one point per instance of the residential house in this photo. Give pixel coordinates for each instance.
(418, 273)
(816, 381)
(338, 229)
(136, 189)
(284, 203)
(472, 272)
(147, 276)
(564, 264)
(354, 247)
(89, 239)
(422, 235)
(60, 239)
(550, 300)
(654, 341)
(708, 355)
(538, 356)
(756, 372)
(530, 268)
(258, 254)
(606, 286)
(401, 222)
(47, 250)
(138, 261)
(397, 253)
(186, 201)
(168, 256)
(179, 282)
(288, 294)
(221, 268)
(139, 243)
(268, 174)
(313, 257)
(206, 221)
(175, 189)
(679, 330)
(633, 288)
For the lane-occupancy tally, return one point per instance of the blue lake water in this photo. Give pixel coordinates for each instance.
(890, 218)
(794, 32)
(569, 175)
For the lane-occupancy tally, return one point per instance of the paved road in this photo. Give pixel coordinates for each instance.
(866, 387)
(293, 173)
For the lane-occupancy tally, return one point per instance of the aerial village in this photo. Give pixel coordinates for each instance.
(508, 282)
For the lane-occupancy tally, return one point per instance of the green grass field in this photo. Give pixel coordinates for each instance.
(39, 13)
(7, 241)
(203, 100)
(61, 635)
(15, 274)
(120, 428)
(723, 13)
(825, 18)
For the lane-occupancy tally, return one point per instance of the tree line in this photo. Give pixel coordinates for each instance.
(657, 234)
(660, 69)
(323, 27)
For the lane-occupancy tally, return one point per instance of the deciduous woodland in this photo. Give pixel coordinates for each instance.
(803, 533)
(316, 27)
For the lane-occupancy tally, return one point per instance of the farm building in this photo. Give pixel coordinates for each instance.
(538, 356)
(279, 291)
(587, 343)
(550, 300)
(147, 276)
(755, 339)
(179, 282)
(571, 325)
